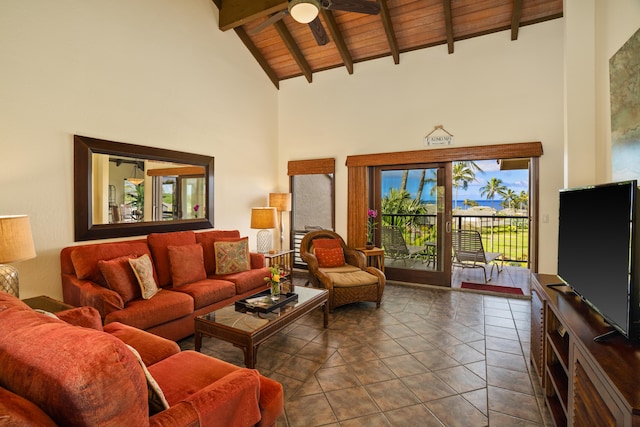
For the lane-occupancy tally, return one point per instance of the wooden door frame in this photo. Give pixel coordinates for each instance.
(358, 180)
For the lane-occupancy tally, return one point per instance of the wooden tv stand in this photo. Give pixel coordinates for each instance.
(586, 383)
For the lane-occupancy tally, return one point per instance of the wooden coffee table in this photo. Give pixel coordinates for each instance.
(249, 330)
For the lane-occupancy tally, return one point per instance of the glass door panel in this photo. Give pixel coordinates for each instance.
(413, 226)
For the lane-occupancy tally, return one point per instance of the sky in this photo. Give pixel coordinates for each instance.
(516, 180)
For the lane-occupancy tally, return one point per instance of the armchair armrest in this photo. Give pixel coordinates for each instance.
(355, 257)
(230, 401)
(152, 348)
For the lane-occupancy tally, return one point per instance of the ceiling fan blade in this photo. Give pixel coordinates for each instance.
(318, 31)
(358, 6)
(269, 21)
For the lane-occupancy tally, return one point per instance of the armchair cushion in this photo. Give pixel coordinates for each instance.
(329, 257)
(232, 257)
(187, 264)
(119, 275)
(349, 279)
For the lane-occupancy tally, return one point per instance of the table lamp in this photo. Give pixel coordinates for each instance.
(16, 244)
(264, 219)
(282, 202)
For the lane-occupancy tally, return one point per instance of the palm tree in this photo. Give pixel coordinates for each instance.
(462, 176)
(509, 198)
(431, 179)
(523, 200)
(494, 187)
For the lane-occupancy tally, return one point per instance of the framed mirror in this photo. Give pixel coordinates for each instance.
(131, 190)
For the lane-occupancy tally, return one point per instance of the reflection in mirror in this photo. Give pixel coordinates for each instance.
(128, 190)
(145, 190)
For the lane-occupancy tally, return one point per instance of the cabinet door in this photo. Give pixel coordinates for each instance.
(592, 405)
(537, 334)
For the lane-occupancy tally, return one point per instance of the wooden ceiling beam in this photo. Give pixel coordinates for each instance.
(258, 56)
(337, 38)
(448, 23)
(235, 13)
(515, 19)
(388, 29)
(291, 44)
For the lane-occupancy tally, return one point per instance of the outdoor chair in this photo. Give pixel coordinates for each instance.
(341, 270)
(468, 252)
(396, 247)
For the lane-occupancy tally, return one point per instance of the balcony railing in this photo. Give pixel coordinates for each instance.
(508, 235)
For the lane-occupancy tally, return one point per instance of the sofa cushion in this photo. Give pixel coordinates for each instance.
(85, 258)
(207, 238)
(187, 264)
(87, 317)
(330, 257)
(152, 348)
(159, 244)
(119, 276)
(208, 291)
(232, 256)
(247, 280)
(143, 314)
(143, 269)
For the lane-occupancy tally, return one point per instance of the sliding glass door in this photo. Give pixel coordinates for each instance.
(413, 223)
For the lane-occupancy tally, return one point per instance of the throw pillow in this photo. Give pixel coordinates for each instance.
(157, 401)
(120, 277)
(233, 256)
(330, 257)
(143, 269)
(187, 264)
(326, 243)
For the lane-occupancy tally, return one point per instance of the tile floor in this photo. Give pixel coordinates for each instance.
(427, 357)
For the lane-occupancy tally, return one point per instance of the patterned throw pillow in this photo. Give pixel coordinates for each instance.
(330, 257)
(157, 401)
(143, 269)
(232, 256)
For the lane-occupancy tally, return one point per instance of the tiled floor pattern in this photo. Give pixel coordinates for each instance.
(427, 357)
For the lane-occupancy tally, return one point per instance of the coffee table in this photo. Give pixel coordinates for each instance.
(249, 330)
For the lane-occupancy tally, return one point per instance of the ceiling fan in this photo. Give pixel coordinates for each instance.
(306, 12)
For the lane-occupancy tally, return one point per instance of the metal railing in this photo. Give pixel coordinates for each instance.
(506, 234)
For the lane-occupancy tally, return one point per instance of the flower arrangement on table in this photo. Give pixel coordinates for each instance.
(274, 280)
(372, 214)
(195, 210)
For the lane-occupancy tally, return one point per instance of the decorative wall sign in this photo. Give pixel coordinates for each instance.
(624, 79)
(438, 136)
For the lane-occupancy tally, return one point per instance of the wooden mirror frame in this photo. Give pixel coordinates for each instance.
(83, 149)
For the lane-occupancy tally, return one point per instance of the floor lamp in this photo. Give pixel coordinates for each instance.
(264, 219)
(16, 244)
(282, 202)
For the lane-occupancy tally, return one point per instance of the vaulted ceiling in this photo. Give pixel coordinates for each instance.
(286, 48)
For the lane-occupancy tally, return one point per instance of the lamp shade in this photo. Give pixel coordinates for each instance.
(16, 241)
(263, 218)
(280, 201)
(304, 11)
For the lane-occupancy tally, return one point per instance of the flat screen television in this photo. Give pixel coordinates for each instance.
(597, 251)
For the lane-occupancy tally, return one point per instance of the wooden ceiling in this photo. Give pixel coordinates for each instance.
(288, 49)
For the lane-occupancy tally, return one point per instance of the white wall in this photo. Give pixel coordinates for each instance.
(148, 72)
(491, 90)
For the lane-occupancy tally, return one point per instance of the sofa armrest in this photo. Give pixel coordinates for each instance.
(152, 348)
(256, 259)
(87, 317)
(85, 292)
(230, 401)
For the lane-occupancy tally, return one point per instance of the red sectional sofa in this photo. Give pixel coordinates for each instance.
(69, 371)
(186, 266)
